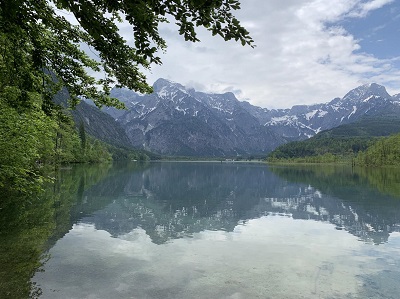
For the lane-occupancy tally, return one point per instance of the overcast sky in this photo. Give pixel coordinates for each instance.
(308, 51)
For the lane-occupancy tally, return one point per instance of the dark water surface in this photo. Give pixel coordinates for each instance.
(205, 230)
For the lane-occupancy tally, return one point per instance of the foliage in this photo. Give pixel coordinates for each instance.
(386, 151)
(320, 150)
(325, 158)
(82, 136)
(30, 139)
(73, 146)
(26, 136)
(47, 40)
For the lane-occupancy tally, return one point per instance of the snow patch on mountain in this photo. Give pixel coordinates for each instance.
(285, 119)
(367, 99)
(163, 93)
(352, 112)
(315, 113)
(311, 114)
(181, 110)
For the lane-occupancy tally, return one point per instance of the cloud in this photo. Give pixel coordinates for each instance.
(303, 54)
(363, 8)
(89, 263)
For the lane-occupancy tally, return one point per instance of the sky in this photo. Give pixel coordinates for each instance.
(307, 52)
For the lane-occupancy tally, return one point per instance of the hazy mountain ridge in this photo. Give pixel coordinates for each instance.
(175, 120)
(97, 123)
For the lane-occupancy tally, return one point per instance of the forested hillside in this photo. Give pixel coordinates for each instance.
(384, 152)
(30, 139)
(383, 125)
(344, 143)
(322, 150)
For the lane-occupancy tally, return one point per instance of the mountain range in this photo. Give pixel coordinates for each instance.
(179, 121)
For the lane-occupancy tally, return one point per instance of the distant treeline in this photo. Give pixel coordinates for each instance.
(385, 151)
(369, 151)
(373, 140)
(322, 150)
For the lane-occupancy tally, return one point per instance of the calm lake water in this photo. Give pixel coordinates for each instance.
(205, 230)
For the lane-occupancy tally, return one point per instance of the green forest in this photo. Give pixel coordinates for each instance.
(321, 150)
(385, 151)
(31, 139)
(366, 151)
(371, 141)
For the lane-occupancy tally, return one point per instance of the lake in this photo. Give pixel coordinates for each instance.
(205, 230)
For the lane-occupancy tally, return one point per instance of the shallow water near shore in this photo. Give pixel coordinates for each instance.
(218, 230)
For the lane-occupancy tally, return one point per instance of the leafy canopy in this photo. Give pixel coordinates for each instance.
(50, 42)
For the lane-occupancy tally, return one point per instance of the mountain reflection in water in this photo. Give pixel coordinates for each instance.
(253, 228)
(172, 200)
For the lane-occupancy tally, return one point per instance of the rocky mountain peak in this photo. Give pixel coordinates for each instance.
(365, 92)
(169, 90)
(163, 84)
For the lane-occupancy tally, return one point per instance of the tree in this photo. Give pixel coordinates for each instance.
(49, 41)
(82, 136)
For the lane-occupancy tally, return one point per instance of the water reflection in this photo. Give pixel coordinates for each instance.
(204, 230)
(345, 197)
(31, 225)
(172, 200)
